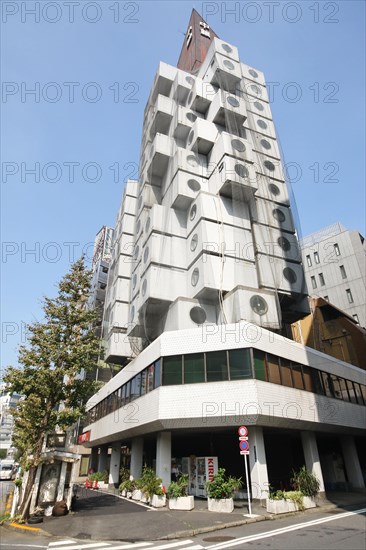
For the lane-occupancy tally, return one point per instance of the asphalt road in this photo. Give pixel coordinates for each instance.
(338, 529)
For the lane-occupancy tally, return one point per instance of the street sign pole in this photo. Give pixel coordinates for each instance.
(247, 481)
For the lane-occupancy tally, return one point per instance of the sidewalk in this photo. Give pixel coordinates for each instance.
(100, 515)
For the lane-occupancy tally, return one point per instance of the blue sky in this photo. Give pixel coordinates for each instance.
(312, 53)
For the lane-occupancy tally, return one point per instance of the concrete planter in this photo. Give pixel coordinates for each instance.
(285, 506)
(102, 485)
(158, 501)
(181, 503)
(221, 505)
(137, 494)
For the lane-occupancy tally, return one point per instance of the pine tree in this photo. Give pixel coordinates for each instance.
(57, 352)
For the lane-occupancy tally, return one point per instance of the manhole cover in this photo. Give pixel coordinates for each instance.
(218, 539)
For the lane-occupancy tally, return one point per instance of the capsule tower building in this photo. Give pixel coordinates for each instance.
(206, 273)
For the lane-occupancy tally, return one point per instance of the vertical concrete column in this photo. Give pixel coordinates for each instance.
(164, 457)
(93, 461)
(311, 455)
(61, 482)
(137, 447)
(258, 464)
(351, 462)
(115, 464)
(103, 459)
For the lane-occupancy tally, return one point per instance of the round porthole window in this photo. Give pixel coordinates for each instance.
(278, 215)
(191, 117)
(289, 275)
(284, 243)
(195, 276)
(269, 165)
(138, 226)
(238, 145)
(229, 65)
(134, 281)
(194, 242)
(147, 225)
(262, 124)
(241, 170)
(190, 80)
(144, 287)
(139, 204)
(226, 48)
(193, 212)
(190, 137)
(232, 101)
(194, 185)
(258, 106)
(198, 315)
(192, 160)
(190, 95)
(273, 189)
(258, 305)
(136, 253)
(132, 313)
(146, 254)
(253, 73)
(255, 90)
(265, 144)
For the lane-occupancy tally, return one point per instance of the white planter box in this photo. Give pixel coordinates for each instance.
(222, 505)
(102, 485)
(158, 501)
(284, 506)
(181, 503)
(137, 495)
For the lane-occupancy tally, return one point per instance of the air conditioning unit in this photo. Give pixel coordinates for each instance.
(164, 250)
(200, 97)
(223, 72)
(227, 110)
(202, 137)
(253, 306)
(161, 116)
(213, 238)
(252, 74)
(233, 178)
(272, 214)
(217, 208)
(281, 275)
(182, 85)
(231, 145)
(183, 190)
(210, 274)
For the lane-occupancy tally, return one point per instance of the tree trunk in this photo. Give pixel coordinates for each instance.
(27, 495)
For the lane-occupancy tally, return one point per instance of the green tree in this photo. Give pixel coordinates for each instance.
(57, 351)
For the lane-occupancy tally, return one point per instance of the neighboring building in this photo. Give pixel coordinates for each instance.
(330, 330)
(206, 276)
(8, 402)
(335, 268)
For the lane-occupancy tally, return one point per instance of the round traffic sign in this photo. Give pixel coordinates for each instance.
(242, 431)
(244, 445)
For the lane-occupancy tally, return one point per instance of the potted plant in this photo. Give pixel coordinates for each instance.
(151, 488)
(306, 487)
(220, 491)
(128, 488)
(178, 494)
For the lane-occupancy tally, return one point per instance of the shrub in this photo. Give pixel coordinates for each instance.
(297, 497)
(178, 488)
(222, 486)
(128, 485)
(124, 474)
(306, 482)
(149, 484)
(100, 476)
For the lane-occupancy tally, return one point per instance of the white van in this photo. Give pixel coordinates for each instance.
(7, 469)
